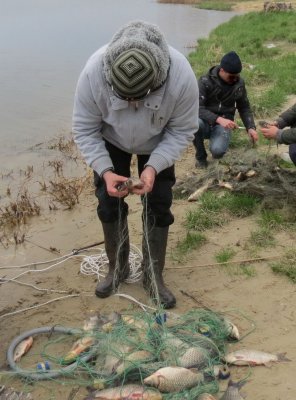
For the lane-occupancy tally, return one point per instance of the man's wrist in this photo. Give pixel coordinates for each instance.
(106, 171)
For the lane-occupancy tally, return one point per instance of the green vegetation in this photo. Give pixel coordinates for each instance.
(192, 241)
(225, 255)
(263, 237)
(266, 43)
(215, 5)
(271, 219)
(287, 265)
(215, 211)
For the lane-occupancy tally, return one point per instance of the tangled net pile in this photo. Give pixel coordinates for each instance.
(127, 348)
(249, 172)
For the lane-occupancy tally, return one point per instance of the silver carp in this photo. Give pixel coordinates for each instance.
(253, 357)
(174, 379)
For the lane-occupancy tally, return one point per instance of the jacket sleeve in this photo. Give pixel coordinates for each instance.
(181, 126)
(87, 125)
(287, 118)
(287, 136)
(205, 114)
(244, 110)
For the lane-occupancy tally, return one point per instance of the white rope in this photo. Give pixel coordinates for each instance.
(98, 264)
(38, 305)
(33, 286)
(36, 263)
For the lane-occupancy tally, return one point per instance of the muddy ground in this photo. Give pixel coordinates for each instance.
(262, 304)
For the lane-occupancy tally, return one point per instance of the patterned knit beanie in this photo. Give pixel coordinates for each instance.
(231, 63)
(136, 60)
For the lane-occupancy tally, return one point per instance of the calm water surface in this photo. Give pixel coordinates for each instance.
(45, 44)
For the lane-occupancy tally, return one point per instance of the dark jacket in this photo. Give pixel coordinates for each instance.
(287, 118)
(215, 101)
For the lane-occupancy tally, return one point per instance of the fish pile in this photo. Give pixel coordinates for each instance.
(139, 356)
(145, 356)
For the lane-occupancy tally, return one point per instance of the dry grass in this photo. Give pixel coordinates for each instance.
(17, 212)
(65, 192)
(66, 146)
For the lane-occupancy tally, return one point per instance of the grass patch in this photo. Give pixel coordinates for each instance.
(192, 241)
(262, 238)
(268, 83)
(286, 266)
(215, 5)
(216, 211)
(224, 255)
(236, 204)
(239, 139)
(241, 269)
(271, 219)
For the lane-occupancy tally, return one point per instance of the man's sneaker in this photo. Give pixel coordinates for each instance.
(201, 164)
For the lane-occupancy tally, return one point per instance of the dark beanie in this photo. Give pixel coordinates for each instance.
(137, 60)
(231, 63)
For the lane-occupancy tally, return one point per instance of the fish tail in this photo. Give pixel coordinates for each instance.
(282, 357)
(238, 384)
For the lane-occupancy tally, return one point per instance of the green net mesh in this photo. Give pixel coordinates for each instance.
(127, 348)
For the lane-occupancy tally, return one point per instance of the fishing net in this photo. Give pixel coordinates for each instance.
(129, 347)
(245, 171)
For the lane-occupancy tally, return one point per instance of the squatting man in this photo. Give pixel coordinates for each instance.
(136, 95)
(221, 92)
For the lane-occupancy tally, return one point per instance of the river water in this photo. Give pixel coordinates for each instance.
(45, 44)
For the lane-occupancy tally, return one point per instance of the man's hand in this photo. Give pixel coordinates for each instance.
(226, 123)
(253, 135)
(148, 178)
(270, 132)
(112, 181)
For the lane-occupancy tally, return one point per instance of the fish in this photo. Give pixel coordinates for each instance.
(126, 392)
(92, 322)
(107, 323)
(221, 371)
(253, 357)
(114, 357)
(232, 392)
(206, 396)
(135, 323)
(177, 352)
(78, 347)
(22, 348)
(134, 359)
(174, 379)
(197, 194)
(232, 330)
(194, 357)
(8, 393)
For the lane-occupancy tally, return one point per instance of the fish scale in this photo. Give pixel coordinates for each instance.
(126, 392)
(232, 392)
(174, 379)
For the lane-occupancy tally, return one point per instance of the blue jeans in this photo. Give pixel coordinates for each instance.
(219, 140)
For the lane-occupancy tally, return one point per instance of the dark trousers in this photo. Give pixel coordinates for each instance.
(159, 200)
(292, 152)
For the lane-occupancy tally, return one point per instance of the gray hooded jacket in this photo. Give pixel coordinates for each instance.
(161, 125)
